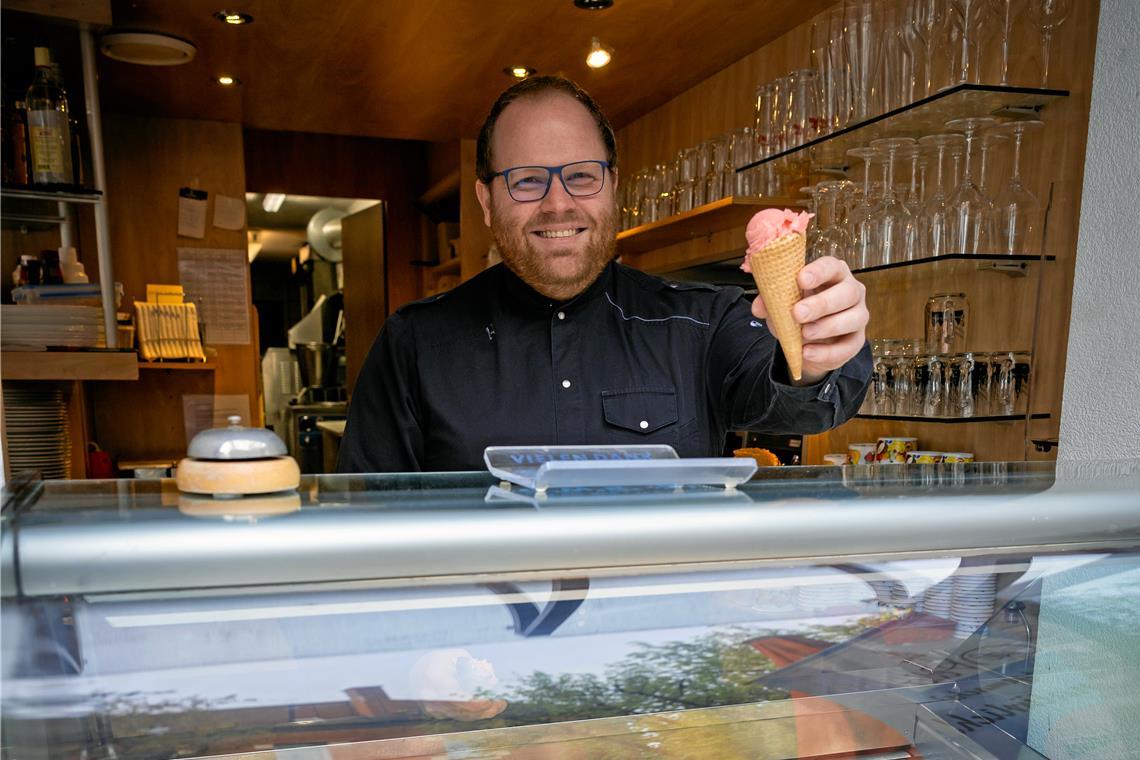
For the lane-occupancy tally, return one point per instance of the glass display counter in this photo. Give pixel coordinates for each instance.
(898, 611)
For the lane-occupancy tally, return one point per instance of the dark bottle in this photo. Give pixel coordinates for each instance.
(15, 143)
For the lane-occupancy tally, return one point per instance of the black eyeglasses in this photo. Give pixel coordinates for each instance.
(531, 183)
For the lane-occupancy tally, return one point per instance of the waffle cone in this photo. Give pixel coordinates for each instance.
(774, 268)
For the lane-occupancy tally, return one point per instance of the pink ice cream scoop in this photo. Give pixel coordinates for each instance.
(771, 223)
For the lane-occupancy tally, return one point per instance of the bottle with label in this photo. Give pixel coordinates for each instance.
(15, 143)
(49, 132)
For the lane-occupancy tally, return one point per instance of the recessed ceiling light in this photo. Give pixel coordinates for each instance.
(235, 18)
(599, 55)
(593, 5)
(225, 80)
(147, 48)
(519, 72)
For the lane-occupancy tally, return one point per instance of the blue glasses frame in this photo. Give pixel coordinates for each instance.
(553, 170)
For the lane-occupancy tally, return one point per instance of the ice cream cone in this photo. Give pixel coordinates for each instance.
(774, 268)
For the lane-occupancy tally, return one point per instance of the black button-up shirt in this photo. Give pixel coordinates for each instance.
(634, 359)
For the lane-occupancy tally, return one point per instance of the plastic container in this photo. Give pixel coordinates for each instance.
(86, 294)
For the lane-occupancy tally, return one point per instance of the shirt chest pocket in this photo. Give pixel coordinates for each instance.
(644, 414)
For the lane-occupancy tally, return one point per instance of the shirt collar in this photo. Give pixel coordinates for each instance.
(519, 293)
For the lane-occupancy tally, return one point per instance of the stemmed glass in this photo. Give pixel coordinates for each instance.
(891, 220)
(972, 212)
(989, 140)
(930, 19)
(1048, 14)
(1008, 11)
(936, 211)
(1018, 210)
(913, 199)
(968, 14)
(833, 240)
(863, 253)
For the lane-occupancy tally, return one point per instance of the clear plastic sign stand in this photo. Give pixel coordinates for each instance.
(542, 468)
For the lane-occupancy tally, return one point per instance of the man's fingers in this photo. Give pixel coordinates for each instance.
(847, 321)
(758, 309)
(832, 355)
(821, 272)
(830, 300)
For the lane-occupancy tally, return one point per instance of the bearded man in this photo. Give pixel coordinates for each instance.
(561, 345)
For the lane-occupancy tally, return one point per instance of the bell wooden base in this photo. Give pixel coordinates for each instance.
(238, 477)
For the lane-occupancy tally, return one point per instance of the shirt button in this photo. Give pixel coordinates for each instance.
(562, 315)
(643, 424)
(565, 383)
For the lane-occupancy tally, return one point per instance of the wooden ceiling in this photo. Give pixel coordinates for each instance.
(426, 69)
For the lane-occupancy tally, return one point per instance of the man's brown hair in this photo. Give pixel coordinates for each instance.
(530, 87)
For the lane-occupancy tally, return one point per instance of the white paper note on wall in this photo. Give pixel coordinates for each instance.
(204, 411)
(229, 213)
(192, 212)
(217, 280)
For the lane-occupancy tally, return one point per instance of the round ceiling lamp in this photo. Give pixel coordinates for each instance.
(147, 48)
(593, 5)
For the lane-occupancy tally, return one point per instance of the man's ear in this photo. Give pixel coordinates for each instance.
(483, 193)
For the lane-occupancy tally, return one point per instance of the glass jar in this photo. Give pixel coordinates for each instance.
(945, 323)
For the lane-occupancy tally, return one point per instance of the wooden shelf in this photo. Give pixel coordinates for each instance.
(176, 365)
(996, 258)
(449, 185)
(955, 420)
(700, 222)
(69, 365)
(448, 267)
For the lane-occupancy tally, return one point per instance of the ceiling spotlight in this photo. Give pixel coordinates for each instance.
(272, 202)
(225, 80)
(519, 72)
(236, 18)
(593, 5)
(599, 55)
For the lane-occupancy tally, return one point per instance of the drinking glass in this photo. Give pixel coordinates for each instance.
(833, 239)
(1048, 15)
(972, 212)
(686, 179)
(1011, 392)
(891, 220)
(945, 323)
(931, 20)
(860, 218)
(982, 384)
(650, 199)
(931, 371)
(936, 211)
(666, 183)
(1007, 11)
(701, 161)
(967, 17)
(713, 180)
(989, 140)
(902, 377)
(864, 30)
(960, 385)
(1018, 210)
(804, 121)
(742, 147)
(838, 110)
(812, 234)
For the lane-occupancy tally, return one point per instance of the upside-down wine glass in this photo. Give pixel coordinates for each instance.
(891, 220)
(1048, 14)
(863, 252)
(971, 211)
(936, 212)
(1018, 210)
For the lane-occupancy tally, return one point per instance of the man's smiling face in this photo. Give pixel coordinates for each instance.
(560, 244)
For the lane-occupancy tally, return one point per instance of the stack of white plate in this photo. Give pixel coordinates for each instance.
(35, 326)
(36, 422)
(824, 596)
(937, 599)
(973, 602)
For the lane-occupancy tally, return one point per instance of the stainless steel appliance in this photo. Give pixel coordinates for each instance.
(302, 436)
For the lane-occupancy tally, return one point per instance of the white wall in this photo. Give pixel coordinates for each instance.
(1100, 415)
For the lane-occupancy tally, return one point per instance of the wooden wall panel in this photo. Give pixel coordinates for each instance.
(148, 160)
(1007, 313)
(475, 236)
(365, 304)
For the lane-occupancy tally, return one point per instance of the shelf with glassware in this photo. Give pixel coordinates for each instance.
(717, 216)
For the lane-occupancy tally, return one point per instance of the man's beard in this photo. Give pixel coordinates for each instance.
(535, 268)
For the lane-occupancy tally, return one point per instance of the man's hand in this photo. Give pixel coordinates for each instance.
(833, 313)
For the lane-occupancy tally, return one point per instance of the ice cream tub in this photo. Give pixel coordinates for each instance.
(923, 457)
(957, 456)
(894, 449)
(836, 459)
(861, 453)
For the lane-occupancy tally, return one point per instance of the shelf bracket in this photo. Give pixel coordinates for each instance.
(1008, 268)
